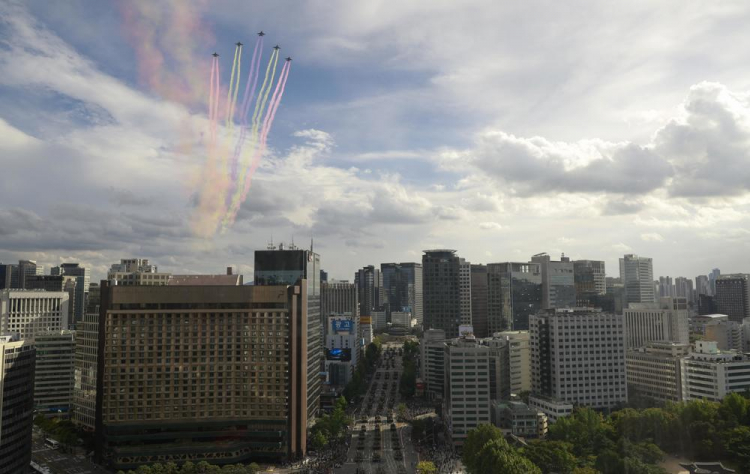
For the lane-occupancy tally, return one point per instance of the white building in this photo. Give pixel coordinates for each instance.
(553, 408)
(712, 374)
(53, 379)
(578, 355)
(467, 387)
(432, 363)
(698, 322)
(137, 271)
(729, 335)
(402, 319)
(654, 371)
(27, 313)
(341, 347)
(666, 320)
(637, 275)
(511, 363)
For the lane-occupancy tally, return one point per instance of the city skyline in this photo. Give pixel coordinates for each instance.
(526, 143)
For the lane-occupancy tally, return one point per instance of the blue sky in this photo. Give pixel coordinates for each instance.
(496, 128)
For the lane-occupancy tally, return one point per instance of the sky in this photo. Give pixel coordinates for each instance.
(499, 129)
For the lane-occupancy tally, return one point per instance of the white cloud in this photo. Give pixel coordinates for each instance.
(490, 226)
(652, 237)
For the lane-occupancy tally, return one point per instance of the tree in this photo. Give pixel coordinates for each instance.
(401, 411)
(551, 456)
(475, 441)
(253, 468)
(426, 467)
(319, 440)
(737, 442)
(586, 430)
(497, 457)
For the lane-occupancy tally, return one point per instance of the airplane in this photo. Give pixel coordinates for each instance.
(277, 47)
(261, 33)
(216, 55)
(289, 58)
(238, 43)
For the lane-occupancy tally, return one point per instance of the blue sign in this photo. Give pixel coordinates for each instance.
(342, 325)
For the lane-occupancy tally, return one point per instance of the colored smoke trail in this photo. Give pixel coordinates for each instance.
(233, 86)
(251, 83)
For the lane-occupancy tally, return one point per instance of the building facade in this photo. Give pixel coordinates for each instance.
(666, 321)
(442, 291)
(53, 382)
(637, 276)
(711, 374)
(733, 296)
(342, 348)
(371, 293)
(194, 373)
(17, 359)
(403, 283)
(510, 363)
(590, 281)
(27, 313)
(514, 292)
(432, 364)
(558, 281)
(578, 356)
(464, 275)
(83, 279)
(654, 371)
(467, 387)
(479, 300)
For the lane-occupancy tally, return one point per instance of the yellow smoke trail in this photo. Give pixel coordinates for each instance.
(232, 85)
(260, 106)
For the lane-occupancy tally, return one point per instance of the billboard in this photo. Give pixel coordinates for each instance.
(342, 325)
(343, 355)
(365, 320)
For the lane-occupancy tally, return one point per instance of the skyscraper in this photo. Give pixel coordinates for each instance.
(369, 283)
(403, 287)
(464, 275)
(590, 281)
(28, 313)
(442, 291)
(733, 296)
(286, 266)
(8, 276)
(27, 268)
(17, 358)
(712, 277)
(558, 281)
(53, 382)
(83, 279)
(479, 300)
(702, 285)
(637, 277)
(218, 372)
(514, 292)
(579, 357)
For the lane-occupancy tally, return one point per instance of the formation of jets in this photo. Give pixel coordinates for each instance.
(239, 44)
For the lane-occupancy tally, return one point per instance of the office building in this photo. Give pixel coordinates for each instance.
(558, 281)
(16, 404)
(702, 285)
(323, 276)
(464, 275)
(379, 320)
(53, 382)
(733, 296)
(510, 364)
(340, 297)
(403, 286)
(85, 369)
(578, 355)
(479, 300)
(220, 279)
(467, 387)
(8, 276)
(728, 335)
(83, 277)
(590, 281)
(442, 291)
(552, 407)
(341, 347)
(517, 418)
(137, 271)
(683, 287)
(285, 266)
(202, 373)
(371, 293)
(637, 275)
(27, 268)
(402, 319)
(514, 292)
(365, 322)
(27, 313)
(712, 277)
(711, 374)
(665, 321)
(706, 304)
(654, 371)
(432, 363)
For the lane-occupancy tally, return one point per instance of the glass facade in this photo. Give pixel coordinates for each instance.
(514, 292)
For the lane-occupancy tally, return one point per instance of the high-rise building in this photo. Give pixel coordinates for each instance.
(729, 335)
(665, 321)
(654, 371)
(712, 277)
(479, 301)
(342, 348)
(666, 287)
(706, 304)
(137, 271)
(432, 364)
(590, 281)
(214, 373)
(369, 283)
(442, 291)
(733, 296)
(83, 279)
(337, 297)
(510, 364)
(467, 386)
(464, 275)
(27, 313)
(578, 356)
(27, 268)
(558, 281)
(711, 374)
(637, 275)
(8, 276)
(403, 287)
(86, 364)
(683, 287)
(16, 404)
(53, 382)
(702, 285)
(514, 292)
(285, 266)
(323, 276)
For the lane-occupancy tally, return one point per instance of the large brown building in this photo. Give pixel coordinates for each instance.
(193, 373)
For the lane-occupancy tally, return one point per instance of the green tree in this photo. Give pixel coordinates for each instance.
(734, 410)
(551, 456)
(586, 430)
(475, 441)
(426, 467)
(401, 411)
(319, 440)
(737, 443)
(188, 468)
(253, 468)
(497, 457)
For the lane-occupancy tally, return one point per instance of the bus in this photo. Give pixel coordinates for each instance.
(51, 443)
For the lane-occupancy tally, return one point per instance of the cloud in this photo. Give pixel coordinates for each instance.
(490, 226)
(652, 237)
(620, 247)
